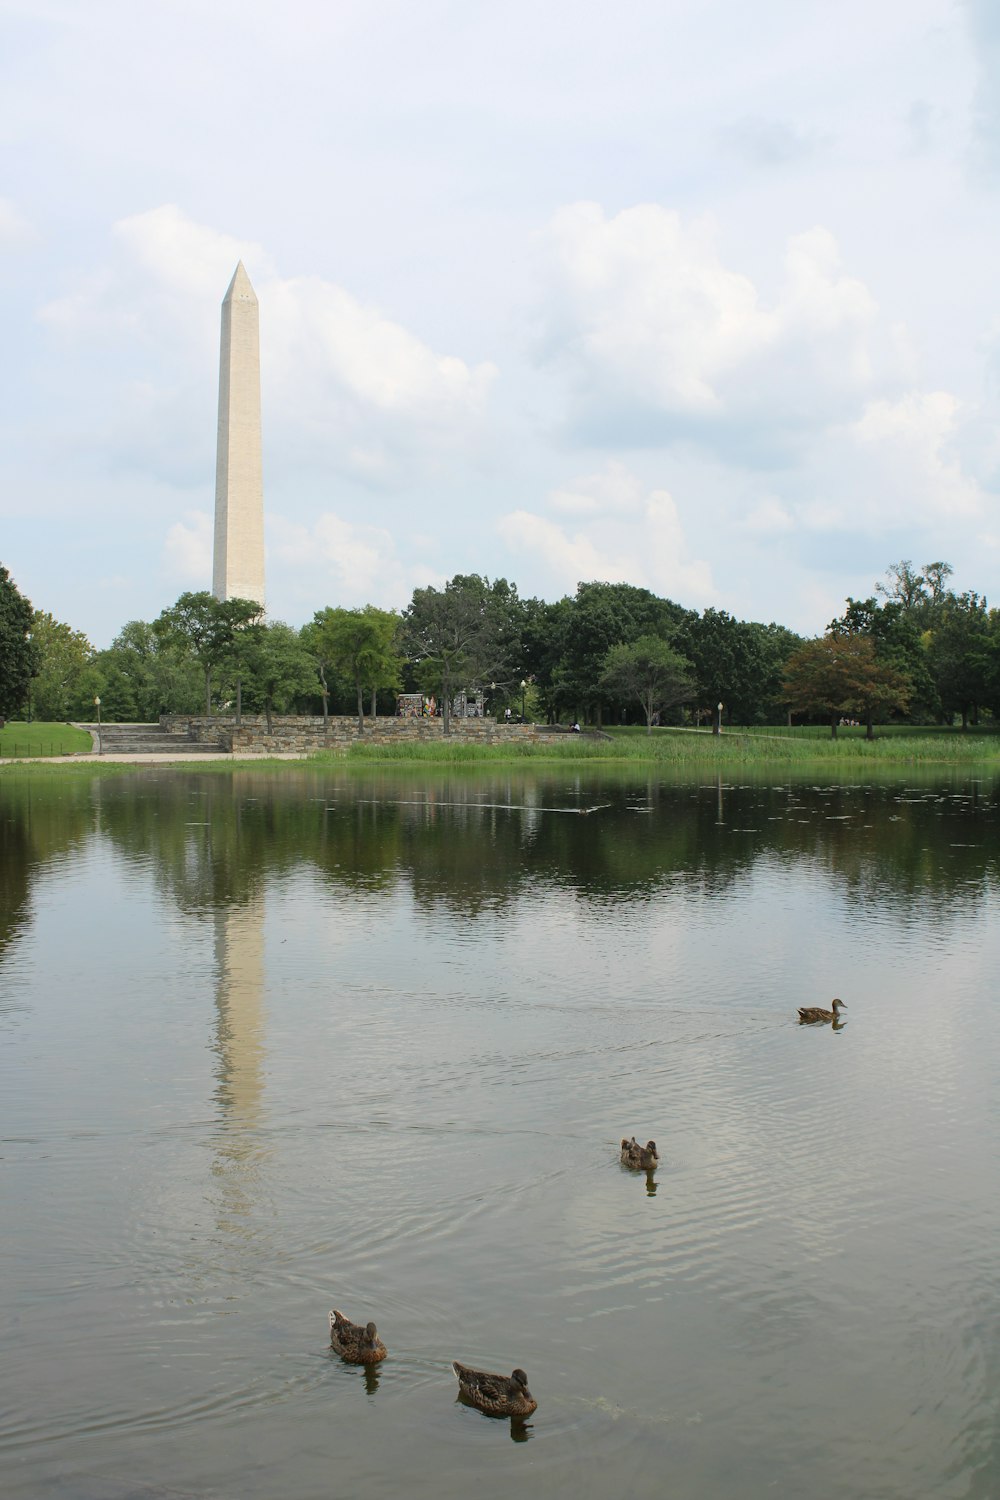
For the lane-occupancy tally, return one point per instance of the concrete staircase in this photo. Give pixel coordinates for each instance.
(148, 739)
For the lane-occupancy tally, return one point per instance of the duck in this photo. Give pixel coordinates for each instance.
(359, 1346)
(642, 1157)
(809, 1013)
(496, 1395)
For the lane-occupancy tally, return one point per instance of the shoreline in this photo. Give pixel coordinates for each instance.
(669, 749)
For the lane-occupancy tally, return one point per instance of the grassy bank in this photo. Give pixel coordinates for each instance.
(682, 747)
(43, 739)
(673, 749)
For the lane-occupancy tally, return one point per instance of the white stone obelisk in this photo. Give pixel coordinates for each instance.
(238, 570)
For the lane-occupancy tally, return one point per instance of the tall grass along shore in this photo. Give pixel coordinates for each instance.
(678, 747)
(667, 747)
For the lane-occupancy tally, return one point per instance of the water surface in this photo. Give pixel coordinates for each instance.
(275, 1043)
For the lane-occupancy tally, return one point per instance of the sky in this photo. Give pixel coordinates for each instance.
(693, 294)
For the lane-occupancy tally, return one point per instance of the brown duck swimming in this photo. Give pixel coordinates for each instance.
(359, 1346)
(496, 1395)
(642, 1157)
(811, 1013)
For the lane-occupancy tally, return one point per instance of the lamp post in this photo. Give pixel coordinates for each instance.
(32, 663)
(97, 705)
(718, 720)
(524, 689)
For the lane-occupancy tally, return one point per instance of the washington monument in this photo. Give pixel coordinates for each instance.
(238, 570)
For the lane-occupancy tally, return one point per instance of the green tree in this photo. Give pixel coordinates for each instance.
(730, 664)
(240, 655)
(204, 628)
(62, 656)
(602, 615)
(316, 646)
(277, 666)
(16, 655)
(143, 674)
(919, 591)
(898, 643)
(837, 674)
(466, 634)
(545, 632)
(359, 644)
(649, 670)
(960, 656)
(775, 644)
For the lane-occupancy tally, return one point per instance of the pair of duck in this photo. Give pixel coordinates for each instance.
(496, 1395)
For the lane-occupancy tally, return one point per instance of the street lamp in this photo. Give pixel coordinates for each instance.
(524, 689)
(718, 721)
(32, 673)
(97, 705)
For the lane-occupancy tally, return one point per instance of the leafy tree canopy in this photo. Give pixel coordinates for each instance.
(361, 644)
(650, 671)
(839, 674)
(466, 634)
(898, 642)
(62, 656)
(277, 665)
(736, 662)
(16, 656)
(205, 628)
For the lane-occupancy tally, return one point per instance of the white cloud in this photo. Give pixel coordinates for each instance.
(918, 472)
(770, 143)
(569, 559)
(896, 468)
(188, 258)
(657, 331)
(15, 228)
(644, 302)
(187, 552)
(615, 488)
(344, 386)
(640, 542)
(769, 517)
(344, 562)
(335, 358)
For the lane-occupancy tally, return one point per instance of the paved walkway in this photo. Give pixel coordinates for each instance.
(167, 758)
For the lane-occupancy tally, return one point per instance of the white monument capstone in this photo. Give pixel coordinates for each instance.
(238, 570)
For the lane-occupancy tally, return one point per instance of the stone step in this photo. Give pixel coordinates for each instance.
(160, 747)
(126, 739)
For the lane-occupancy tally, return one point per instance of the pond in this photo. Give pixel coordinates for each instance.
(273, 1043)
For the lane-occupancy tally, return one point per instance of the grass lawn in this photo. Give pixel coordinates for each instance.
(43, 739)
(882, 731)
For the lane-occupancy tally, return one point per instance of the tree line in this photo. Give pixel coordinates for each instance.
(611, 652)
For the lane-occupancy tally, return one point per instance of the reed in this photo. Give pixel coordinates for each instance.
(684, 747)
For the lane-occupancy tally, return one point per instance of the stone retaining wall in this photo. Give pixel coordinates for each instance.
(302, 736)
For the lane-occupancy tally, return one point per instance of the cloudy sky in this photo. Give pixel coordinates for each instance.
(696, 294)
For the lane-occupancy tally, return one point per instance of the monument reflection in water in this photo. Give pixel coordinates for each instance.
(239, 958)
(275, 1044)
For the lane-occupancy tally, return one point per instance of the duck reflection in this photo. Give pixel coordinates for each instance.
(372, 1378)
(239, 1048)
(520, 1430)
(650, 1184)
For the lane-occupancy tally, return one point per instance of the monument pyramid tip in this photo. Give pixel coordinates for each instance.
(240, 285)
